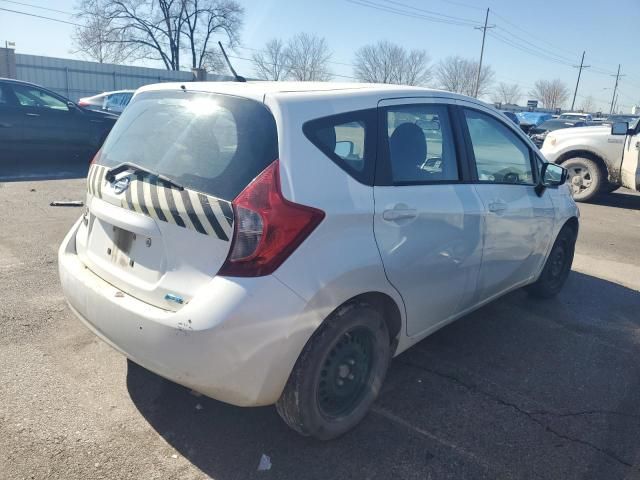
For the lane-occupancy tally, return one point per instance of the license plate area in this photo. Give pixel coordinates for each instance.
(132, 257)
(123, 240)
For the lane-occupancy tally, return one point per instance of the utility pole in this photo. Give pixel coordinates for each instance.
(582, 65)
(613, 98)
(484, 34)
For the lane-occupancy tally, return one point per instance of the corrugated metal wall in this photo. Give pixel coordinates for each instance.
(76, 78)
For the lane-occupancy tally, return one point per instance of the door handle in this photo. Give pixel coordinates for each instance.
(33, 114)
(394, 215)
(497, 207)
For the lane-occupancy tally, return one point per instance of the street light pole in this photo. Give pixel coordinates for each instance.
(575, 93)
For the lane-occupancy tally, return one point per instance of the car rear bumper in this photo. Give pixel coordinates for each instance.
(237, 341)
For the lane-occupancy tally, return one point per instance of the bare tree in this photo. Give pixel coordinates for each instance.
(206, 18)
(386, 62)
(457, 74)
(163, 29)
(507, 93)
(97, 41)
(551, 93)
(306, 57)
(588, 104)
(271, 64)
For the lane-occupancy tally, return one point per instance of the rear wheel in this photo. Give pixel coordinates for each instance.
(558, 265)
(338, 374)
(585, 178)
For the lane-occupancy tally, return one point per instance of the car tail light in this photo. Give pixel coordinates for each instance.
(267, 228)
(82, 103)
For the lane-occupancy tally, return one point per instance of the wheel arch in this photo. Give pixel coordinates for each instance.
(585, 154)
(573, 224)
(382, 302)
(390, 312)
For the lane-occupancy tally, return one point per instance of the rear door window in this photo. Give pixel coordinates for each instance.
(212, 143)
(420, 144)
(347, 139)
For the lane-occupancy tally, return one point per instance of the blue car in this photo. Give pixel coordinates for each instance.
(532, 119)
(512, 116)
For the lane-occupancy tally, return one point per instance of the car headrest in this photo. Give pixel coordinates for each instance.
(408, 150)
(327, 137)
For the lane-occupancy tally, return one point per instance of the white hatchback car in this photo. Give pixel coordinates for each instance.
(278, 243)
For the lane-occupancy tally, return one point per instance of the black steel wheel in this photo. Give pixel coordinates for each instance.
(338, 374)
(345, 373)
(557, 267)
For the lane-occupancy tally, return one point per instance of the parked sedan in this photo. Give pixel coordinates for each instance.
(38, 124)
(260, 275)
(539, 133)
(113, 102)
(532, 119)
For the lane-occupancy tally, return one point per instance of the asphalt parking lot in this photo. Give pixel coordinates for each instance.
(519, 389)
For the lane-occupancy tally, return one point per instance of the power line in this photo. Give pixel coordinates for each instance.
(431, 12)
(462, 4)
(528, 50)
(535, 46)
(37, 6)
(40, 16)
(384, 8)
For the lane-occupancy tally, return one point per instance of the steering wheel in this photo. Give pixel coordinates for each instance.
(511, 177)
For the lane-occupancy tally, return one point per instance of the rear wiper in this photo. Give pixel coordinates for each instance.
(128, 166)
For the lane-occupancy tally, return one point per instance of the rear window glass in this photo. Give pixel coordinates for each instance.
(211, 143)
(347, 139)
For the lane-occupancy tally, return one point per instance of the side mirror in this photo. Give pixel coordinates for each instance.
(344, 149)
(620, 128)
(72, 106)
(551, 176)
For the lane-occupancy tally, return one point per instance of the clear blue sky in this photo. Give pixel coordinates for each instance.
(608, 31)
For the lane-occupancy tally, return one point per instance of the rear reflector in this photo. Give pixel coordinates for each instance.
(267, 228)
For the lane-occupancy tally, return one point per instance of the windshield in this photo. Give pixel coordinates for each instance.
(631, 119)
(211, 143)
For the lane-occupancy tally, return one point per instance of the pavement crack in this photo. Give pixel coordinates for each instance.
(585, 413)
(529, 414)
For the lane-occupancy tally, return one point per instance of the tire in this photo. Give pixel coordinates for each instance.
(557, 267)
(585, 178)
(338, 374)
(609, 188)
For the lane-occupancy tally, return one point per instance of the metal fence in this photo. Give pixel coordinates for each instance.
(76, 78)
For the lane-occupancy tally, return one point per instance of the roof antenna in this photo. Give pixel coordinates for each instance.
(237, 77)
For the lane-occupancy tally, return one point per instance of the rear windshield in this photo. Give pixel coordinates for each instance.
(210, 143)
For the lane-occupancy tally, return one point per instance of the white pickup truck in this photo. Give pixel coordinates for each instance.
(599, 159)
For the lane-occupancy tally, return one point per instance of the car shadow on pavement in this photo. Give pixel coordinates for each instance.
(618, 199)
(34, 171)
(521, 388)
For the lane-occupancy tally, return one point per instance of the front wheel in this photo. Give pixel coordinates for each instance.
(338, 374)
(585, 178)
(557, 267)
